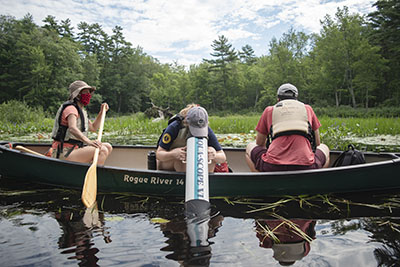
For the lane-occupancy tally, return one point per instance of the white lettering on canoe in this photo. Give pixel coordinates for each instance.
(153, 180)
(158, 180)
(135, 179)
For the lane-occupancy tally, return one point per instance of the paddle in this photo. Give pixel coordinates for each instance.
(89, 190)
(21, 148)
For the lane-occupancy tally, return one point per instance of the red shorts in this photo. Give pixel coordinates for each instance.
(263, 166)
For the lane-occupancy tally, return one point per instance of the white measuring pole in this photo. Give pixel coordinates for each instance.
(197, 205)
(197, 169)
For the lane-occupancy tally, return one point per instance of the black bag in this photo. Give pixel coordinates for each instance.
(349, 157)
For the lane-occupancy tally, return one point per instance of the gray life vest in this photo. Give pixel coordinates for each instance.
(290, 117)
(62, 133)
(180, 140)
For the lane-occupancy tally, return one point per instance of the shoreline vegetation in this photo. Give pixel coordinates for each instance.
(340, 126)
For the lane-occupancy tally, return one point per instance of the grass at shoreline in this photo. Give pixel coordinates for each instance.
(139, 124)
(232, 130)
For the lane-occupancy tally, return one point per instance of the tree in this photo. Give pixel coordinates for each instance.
(222, 67)
(247, 55)
(342, 51)
(385, 23)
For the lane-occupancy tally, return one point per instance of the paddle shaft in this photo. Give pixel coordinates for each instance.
(89, 191)
(99, 136)
(21, 148)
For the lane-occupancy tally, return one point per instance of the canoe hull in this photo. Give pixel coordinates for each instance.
(378, 175)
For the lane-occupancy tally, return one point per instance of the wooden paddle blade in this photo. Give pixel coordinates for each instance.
(91, 217)
(89, 192)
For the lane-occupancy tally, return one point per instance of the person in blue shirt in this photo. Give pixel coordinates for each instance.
(171, 151)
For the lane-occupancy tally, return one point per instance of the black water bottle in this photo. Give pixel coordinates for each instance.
(151, 161)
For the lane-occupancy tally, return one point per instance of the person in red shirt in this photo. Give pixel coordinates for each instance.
(290, 240)
(293, 128)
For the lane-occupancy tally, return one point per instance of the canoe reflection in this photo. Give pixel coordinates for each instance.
(185, 247)
(289, 239)
(77, 233)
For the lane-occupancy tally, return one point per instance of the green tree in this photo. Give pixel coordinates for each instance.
(9, 35)
(247, 55)
(222, 68)
(342, 51)
(385, 22)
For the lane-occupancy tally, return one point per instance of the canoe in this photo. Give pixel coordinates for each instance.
(125, 171)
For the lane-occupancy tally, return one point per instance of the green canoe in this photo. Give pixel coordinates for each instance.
(126, 171)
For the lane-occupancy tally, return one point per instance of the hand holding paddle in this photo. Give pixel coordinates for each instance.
(89, 190)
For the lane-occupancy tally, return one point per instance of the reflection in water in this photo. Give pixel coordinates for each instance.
(78, 233)
(188, 239)
(386, 232)
(289, 239)
(29, 232)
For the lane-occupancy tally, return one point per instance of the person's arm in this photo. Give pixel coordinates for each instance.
(72, 125)
(94, 126)
(261, 139)
(315, 124)
(215, 152)
(217, 156)
(317, 137)
(178, 153)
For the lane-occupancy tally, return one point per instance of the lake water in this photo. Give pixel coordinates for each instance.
(43, 226)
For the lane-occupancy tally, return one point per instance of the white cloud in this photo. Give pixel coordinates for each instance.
(184, 30)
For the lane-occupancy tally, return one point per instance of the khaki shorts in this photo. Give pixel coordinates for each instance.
(65, 151)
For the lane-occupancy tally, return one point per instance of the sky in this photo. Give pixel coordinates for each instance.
(182, 31)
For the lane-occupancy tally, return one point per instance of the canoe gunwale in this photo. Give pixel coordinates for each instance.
(393, 158)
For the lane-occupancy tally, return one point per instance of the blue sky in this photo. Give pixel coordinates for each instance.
(182, 31)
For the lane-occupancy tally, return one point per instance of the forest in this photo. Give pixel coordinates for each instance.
(352, 62)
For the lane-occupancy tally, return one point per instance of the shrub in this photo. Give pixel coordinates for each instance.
(18, 112)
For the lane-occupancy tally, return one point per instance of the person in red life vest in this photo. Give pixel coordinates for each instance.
(290, 240)
(287, 136)
(71, 126)
(191, 121)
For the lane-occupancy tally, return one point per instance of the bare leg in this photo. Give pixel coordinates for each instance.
(109, 147)
(250, 163)
(103, 154)
(324, 148)
(85, 154)
(171, 165)
(179, 166)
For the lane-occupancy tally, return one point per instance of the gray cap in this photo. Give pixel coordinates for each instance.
(287, 89)
(76, 87)
(197, 119)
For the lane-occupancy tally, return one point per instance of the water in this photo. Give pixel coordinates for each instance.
(43, 226)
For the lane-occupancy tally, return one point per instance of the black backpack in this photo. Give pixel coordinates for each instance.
(349, 157)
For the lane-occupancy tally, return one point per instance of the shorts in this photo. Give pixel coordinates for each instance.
(66, 151)
(262, 166)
